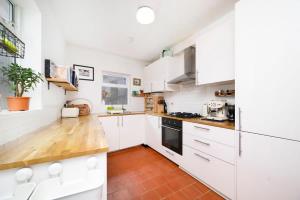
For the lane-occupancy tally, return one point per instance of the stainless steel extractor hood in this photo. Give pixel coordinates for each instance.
(185, 71)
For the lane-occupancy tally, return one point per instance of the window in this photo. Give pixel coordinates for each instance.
(114, 89)
(7, 10)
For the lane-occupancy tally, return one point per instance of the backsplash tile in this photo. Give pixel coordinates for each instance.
(190, 98)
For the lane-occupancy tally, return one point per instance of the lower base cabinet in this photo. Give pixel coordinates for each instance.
(212, 171)
(123, 131)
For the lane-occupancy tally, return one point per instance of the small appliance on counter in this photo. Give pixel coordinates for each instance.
(231, 112)
(70, 112)
(217, 110)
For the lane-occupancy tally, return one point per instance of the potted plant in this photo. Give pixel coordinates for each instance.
(21, 80)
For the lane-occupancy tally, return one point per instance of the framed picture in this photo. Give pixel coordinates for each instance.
(84, 72)
(137, 81)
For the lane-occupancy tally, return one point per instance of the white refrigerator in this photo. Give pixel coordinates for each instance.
(267, 65)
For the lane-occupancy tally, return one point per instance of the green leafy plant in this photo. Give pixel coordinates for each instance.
(21, 79)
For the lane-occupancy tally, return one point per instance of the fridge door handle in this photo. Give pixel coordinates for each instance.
(240, 144)
(240, 133)
(240, 119)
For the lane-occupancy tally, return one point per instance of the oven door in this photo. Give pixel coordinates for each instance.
(172, 139)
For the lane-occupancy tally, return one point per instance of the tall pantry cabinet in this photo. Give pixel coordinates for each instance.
(267, 64)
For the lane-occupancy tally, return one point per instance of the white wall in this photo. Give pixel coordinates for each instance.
(190, 98)
(103, 62)
(43, 39)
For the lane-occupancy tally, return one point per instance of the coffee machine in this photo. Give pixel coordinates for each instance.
(231, 112)
(217, 110)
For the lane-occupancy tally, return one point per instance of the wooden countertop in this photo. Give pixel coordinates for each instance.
(226, 124)
(65, 138)
(122, 114)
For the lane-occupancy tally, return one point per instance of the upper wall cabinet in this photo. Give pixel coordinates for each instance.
(215, 52)
(156, 76)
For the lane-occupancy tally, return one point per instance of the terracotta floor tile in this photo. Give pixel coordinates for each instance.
(150, 184)
(151, 195)
(211, 196)
(142, 173)
(177, 196)
(203, 188)
(164, 191)
(192, 192)
(121, 195)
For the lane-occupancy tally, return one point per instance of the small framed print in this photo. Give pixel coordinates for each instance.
(137, 81)
(84, 72)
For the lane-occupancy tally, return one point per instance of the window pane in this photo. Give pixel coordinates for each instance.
(114, 95)
(114, 79)
(5, 9)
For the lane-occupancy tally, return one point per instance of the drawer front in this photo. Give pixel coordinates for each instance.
(221, 151)
(171, 155)
(221, 135)
(212, 171)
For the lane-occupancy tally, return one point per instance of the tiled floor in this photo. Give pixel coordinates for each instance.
(142, 173)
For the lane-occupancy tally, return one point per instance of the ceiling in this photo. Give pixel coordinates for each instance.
(111, 26)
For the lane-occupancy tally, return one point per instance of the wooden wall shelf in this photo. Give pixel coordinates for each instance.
(62, 83)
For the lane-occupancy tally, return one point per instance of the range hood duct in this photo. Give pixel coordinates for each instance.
(189, 65)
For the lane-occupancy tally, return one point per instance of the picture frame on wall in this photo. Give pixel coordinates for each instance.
(84, 72)
(137, 82)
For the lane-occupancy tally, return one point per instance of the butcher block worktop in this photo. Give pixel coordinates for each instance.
(65, 138)
(226, 124)
(120, 114)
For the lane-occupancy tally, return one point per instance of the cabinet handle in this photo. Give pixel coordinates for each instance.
(169, 153)
(203, 128)
(240, 119)
(204, 158)
(158, 125)
(199, 141)
(240, 134)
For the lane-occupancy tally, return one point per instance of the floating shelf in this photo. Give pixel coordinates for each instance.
(62, 83)
(10, 44)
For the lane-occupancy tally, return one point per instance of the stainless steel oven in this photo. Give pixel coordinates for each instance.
(172, 134)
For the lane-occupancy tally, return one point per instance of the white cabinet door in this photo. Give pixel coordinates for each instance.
(132, 130)
(212, 171)
(268, 67)
(111, 129)
(156, 76)
(215, 52)
(147, 79)
(268, 168)
(153, 132)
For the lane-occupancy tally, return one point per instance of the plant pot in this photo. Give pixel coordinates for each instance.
(18, 103)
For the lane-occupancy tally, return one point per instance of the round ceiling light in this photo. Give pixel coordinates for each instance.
(145, 15)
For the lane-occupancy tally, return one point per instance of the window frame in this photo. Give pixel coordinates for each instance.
(114, 74)
(11, 13)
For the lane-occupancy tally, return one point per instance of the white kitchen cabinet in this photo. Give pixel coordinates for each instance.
(123, 131)
(267, 67)
(215, 52)
(153, 132)
(171, 155)
(268, 168)
(210, 170)
(132, 130)
(111, 130)
(156, 76)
